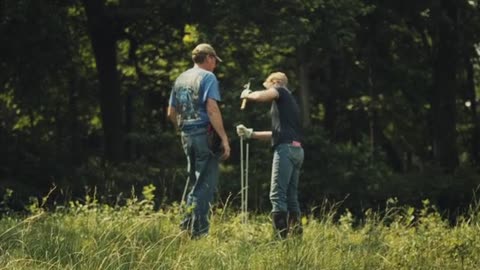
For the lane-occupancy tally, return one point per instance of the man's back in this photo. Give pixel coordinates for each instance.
(189, 95)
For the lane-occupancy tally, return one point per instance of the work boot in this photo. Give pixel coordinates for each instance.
(280, 228)
(295, 224)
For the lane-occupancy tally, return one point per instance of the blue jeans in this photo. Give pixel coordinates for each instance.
(202, 165)
(286, 166)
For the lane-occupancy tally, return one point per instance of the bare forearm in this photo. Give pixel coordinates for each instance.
(263, 95)
(217, 123)
(215, 117)
(262, 135)
(172, 116)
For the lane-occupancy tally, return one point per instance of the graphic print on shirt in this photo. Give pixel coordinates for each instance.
(187, 94)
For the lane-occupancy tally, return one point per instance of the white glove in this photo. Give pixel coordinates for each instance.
(244, 132)
(245, 93)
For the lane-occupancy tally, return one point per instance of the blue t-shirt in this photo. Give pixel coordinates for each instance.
(189, 97)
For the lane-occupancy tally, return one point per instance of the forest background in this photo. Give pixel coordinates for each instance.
(388, 90)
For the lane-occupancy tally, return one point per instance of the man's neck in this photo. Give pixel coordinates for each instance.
(202, 66)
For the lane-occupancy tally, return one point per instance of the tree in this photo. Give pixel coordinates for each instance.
(445, 66)
(104, 35)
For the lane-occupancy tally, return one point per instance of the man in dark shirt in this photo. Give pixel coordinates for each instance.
(286, 137)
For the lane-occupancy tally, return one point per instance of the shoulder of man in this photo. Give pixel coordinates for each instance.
(209, 74)
(209, 78)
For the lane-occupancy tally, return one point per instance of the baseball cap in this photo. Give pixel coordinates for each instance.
(205, 48)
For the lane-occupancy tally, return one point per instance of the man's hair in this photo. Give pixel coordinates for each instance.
(199, 58)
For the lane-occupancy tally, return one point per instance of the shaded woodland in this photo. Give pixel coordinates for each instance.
(388, 91)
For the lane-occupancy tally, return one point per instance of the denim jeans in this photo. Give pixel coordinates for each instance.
(203, 171)
(286, 166)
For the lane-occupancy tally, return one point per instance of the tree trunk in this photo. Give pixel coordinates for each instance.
(104, 47)
(331, 97)
(445, 84)
(129, 122)
(472, 97)
(73, 120)
(304, 86)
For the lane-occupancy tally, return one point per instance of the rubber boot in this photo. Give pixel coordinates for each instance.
(280, 228)
(295, 224)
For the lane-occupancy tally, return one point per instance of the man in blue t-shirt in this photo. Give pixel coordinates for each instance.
(286, 137)
(194, 110)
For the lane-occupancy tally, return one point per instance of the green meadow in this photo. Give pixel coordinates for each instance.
(90, 235)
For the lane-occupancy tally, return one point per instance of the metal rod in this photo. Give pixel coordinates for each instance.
(241, 180)
(246, 183)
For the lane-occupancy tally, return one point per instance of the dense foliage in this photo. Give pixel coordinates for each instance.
(388, 92)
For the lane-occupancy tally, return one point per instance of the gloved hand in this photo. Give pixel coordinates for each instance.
(245, 93)
(244, 132)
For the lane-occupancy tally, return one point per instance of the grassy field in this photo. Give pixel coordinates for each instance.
(94, 236)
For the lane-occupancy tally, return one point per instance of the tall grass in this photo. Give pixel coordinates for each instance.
(94, 236)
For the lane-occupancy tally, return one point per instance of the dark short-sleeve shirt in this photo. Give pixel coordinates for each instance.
(286, 123)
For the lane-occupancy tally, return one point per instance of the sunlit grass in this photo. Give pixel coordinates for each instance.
(93, 236)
